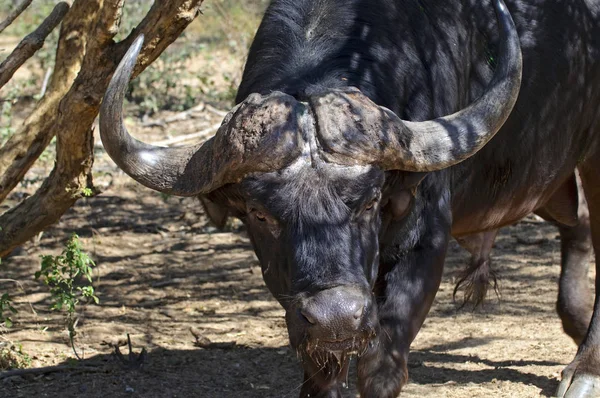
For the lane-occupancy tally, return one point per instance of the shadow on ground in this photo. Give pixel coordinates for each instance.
(230, 373)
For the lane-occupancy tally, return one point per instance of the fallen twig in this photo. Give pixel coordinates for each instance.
(14, 14)
(206, 133)
(174, 118)
(216, 111)
(184, 115)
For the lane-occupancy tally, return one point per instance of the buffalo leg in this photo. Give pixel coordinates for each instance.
(581, 378)
(574, 304)
(409, 293)
(568, 210)
(408, 280)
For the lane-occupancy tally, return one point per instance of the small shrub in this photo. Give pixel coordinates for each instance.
(69, 277)
(6, 309)
(13, 357)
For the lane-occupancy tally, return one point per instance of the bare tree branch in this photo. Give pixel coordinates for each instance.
(31, 43)
(78, 109)
(26, 145)
(14, 14)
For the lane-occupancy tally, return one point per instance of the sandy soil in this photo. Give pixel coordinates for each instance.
(194, 298)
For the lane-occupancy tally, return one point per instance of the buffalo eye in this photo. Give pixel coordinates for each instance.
(266, 220)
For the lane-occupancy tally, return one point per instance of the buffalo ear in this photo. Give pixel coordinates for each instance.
(216, 213)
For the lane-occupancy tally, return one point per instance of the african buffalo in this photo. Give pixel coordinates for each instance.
(359, 145)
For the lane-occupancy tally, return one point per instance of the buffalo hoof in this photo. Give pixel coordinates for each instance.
(580, 385)
(382, 372)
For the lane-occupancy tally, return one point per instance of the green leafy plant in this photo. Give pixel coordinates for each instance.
(6, 309)
(69, 276)
(13, 357)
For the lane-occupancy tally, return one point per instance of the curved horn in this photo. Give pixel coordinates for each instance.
(258, 135)
(374, 134)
